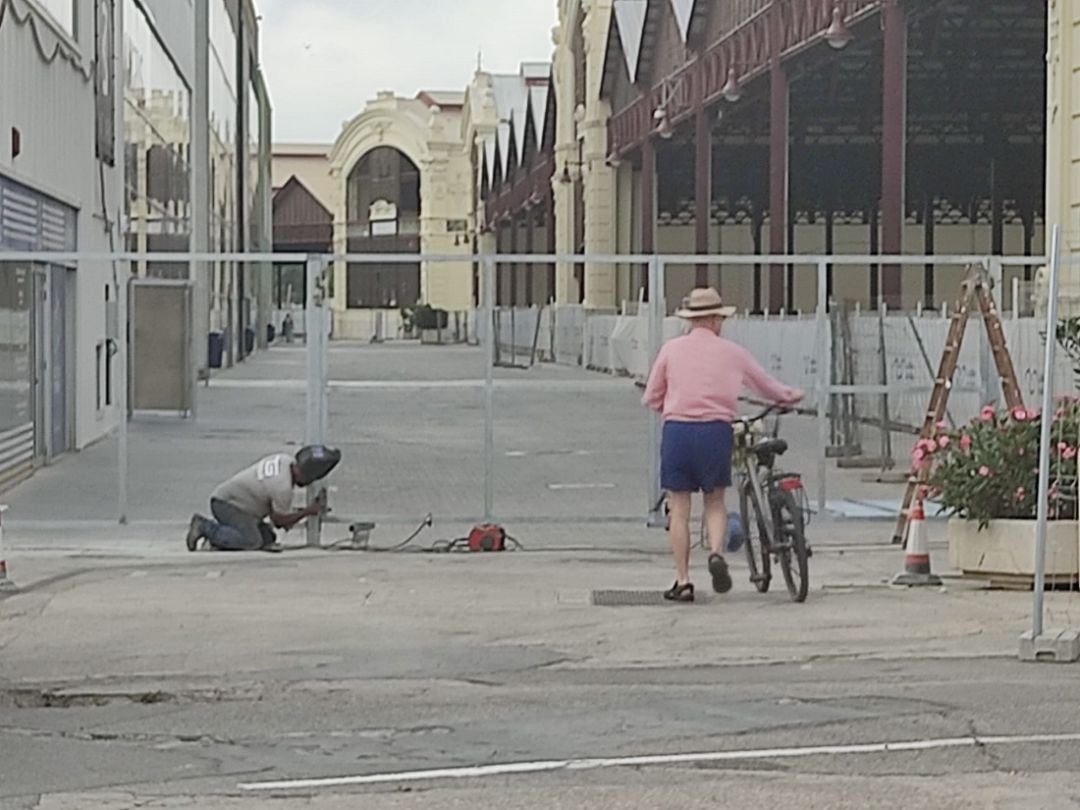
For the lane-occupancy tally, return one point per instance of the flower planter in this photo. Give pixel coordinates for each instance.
(1004, 552)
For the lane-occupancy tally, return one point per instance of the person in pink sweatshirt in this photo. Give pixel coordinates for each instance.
(695, 384)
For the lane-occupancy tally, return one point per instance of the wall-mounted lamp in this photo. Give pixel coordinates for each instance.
(838, 35)
(732, 89)
(663, 123)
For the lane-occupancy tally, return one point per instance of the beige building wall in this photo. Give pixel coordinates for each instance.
(1063, 134)
(307, 162)
(582, 138)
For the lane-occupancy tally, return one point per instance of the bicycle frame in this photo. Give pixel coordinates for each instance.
(761, 477)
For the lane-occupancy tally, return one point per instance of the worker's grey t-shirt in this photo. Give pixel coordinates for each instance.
(262, 488)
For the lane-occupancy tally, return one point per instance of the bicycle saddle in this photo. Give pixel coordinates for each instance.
(771, 447)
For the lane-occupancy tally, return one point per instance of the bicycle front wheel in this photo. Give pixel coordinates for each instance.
(791, 536)
(757, 555)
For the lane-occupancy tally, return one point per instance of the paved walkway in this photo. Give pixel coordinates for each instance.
(135, 674)
(570, 446)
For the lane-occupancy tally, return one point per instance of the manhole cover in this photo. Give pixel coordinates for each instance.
(628, 599)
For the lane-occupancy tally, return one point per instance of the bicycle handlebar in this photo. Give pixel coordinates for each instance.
(774, 408)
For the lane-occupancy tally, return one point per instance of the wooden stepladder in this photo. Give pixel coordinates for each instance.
(976, 286)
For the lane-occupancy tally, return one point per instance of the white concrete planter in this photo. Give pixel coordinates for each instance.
(1005, 550)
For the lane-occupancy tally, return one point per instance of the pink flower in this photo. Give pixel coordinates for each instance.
(918, 454)
(984, 471)
(1019, 414)
(1020, 494)
(1032, 414)
(1069, 454)
(987, 414)
(965, 442)
(940, 425)
(943, 442)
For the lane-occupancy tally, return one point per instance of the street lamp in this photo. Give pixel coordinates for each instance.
(566, 178)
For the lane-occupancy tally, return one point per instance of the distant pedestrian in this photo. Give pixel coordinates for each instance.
(695, 383)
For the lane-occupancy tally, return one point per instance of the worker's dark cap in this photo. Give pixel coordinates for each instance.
(315, 462)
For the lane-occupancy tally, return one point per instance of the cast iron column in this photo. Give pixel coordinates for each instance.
(530, 246)
(552, 245)
(778, 172)
(702, 191)
(648, 205)
(893, 147)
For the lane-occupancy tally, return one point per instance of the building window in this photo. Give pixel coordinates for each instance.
(383, 209)
(104, 74)
(157, 124)
(15, 346)
(99, 353)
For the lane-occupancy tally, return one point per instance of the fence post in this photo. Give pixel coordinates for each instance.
(315, 328)
(1045, 437)
(487, 272)
(824, 373)
(656, 312)
(123, 334)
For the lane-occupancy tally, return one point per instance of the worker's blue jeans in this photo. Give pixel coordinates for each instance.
(234, 530)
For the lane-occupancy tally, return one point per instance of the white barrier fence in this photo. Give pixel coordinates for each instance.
(785, 346)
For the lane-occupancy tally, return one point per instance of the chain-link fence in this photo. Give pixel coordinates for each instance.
(535, 418)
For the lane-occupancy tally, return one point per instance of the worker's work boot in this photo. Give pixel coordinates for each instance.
(195, 532)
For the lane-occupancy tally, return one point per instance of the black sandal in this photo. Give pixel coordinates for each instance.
(721, 577)
(680, 593)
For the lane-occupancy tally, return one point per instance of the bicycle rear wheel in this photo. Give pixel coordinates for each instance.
(791, 542)
(755, 527)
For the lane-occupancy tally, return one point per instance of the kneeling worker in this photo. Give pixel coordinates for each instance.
(264, 490)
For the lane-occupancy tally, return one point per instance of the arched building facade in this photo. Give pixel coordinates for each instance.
(401, 184)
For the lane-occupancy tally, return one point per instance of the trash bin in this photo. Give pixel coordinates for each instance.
(249, 340)
(271, 333)
(216, 349)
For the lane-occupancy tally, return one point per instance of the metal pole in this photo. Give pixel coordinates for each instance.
(314, 330)
(487, 272)
(1045, 436)
(656, 311)
(122, 385)
(824, 370)
(200, 198)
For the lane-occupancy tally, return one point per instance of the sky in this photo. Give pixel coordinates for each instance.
(324, 59)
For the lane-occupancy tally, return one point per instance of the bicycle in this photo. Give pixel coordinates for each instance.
(779, 534)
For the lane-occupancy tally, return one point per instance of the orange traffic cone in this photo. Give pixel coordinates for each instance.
(917, 571)
(5, 583)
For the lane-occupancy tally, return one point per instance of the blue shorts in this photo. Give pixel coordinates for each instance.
(696, 456)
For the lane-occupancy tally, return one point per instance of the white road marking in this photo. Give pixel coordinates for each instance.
(412, 385)
(523, 453)
(544, 766)
(563, 487)
(593, 485)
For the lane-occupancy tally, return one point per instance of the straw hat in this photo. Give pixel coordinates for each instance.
(704, 302)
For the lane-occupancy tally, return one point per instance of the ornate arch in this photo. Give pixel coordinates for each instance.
(395, 127)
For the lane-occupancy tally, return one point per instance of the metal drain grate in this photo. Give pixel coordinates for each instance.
(628, 599)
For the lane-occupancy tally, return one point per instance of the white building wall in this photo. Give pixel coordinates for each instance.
(52, 106)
